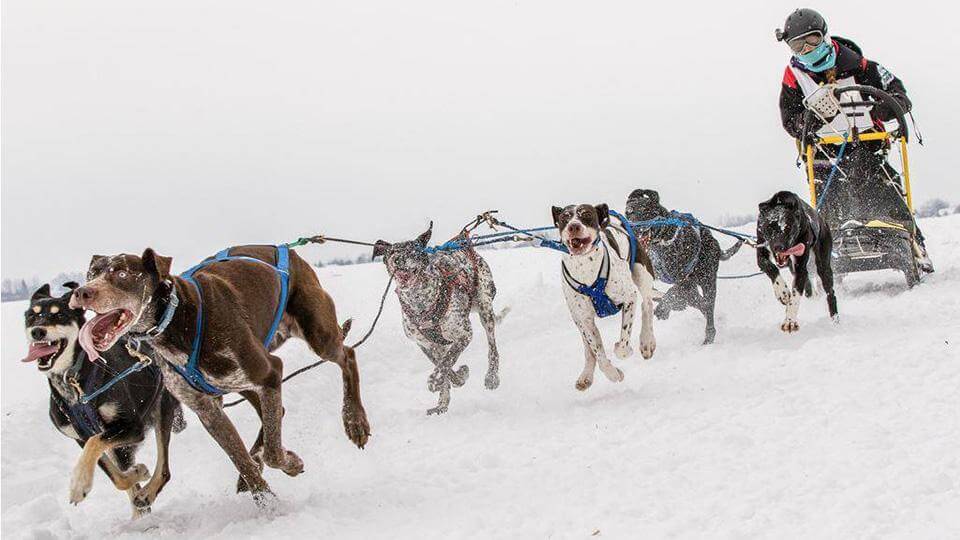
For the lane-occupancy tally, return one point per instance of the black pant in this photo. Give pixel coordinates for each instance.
(865, 187)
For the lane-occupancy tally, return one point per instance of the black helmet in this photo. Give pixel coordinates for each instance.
(800, 22)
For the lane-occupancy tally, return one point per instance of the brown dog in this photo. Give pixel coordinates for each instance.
(133, 295)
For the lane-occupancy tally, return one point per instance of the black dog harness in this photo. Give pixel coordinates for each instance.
(82, 414)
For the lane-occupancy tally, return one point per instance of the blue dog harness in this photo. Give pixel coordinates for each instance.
(597, 292)
(190, 372)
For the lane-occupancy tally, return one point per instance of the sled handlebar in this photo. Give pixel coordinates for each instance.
(879, 98)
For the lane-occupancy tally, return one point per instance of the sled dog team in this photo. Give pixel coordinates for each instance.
(157, 341)
(212, 330)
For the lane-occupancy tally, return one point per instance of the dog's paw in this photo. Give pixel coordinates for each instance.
(286, 461)
(139, 512)
(436, 410)
(143, 499)
(258, 459)
(80, 484)
(584, 382)
(612, 372)
(647, 347)
(131, 477)
(492, 380)
(459, 377)
(266, 501)
(790, 326)
(709, 336)
(356, 425)
(623, 350)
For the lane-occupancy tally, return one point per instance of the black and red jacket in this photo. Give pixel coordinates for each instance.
(850, 63)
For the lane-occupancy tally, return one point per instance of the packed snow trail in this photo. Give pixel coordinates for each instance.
(848, 430)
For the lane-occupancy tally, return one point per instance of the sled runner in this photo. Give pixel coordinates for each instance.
(866, 202)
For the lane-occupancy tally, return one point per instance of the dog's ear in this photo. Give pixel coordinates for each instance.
(42, 292)
(70, 285)
(157, 265)
(424, 238)
(603, 214)
(785, 198)
(556, 215)
(380, 248)
(97, 261)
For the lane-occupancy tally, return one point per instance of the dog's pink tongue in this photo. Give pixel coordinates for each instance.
(86, 339)
(39, 351)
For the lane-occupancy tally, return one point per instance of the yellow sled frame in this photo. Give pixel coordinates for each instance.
(873, 136)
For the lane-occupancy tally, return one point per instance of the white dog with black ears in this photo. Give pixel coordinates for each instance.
(601, 276)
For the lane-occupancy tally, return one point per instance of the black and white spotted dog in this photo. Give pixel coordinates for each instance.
(437, 292)
(112, 426)
(685, 257)
(598, 258)
(788, 230)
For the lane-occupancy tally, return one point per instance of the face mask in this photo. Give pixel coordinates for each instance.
(820, 59)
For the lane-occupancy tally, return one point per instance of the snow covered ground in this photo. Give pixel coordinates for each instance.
(839, 431)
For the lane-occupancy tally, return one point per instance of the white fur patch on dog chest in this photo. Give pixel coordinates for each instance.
(108, 411)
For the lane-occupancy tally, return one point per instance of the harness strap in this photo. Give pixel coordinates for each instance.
(83, 417)
(191, 372)
(86, 398)
(628, 227)
(597, 292)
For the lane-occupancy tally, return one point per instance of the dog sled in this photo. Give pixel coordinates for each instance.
(870, 215)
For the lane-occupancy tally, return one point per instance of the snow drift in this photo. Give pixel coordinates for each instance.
(841, 430)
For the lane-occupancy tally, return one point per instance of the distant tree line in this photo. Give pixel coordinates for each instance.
(22, 289)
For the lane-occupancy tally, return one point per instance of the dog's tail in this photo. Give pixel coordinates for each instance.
(498, 317)
(725, 255)
(179, 422)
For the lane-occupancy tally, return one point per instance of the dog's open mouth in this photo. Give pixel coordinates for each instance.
(101, 332)
(45, 353)
(783, 257)
(579, 246)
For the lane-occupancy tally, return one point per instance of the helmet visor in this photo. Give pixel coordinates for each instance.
(806, 43)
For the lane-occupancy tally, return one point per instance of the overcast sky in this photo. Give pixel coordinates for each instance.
(193, 125)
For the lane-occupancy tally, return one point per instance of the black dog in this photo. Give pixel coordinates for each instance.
(686, 257)
(111, 427)
(788, 229)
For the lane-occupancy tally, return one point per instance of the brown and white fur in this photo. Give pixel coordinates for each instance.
(239, 302)
(580, 227)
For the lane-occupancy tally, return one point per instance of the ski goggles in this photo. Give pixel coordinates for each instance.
(805, 43)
